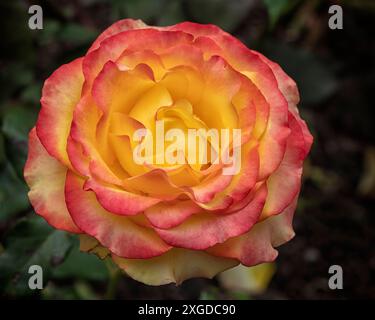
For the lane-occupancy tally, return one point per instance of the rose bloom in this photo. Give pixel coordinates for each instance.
(163, 223)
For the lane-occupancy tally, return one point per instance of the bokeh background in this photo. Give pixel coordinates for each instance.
(335, 220)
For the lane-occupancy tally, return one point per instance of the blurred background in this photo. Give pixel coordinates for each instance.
(335, 220)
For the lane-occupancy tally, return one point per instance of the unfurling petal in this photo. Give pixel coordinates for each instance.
(174, 266)
(45, 177)
(61, 93)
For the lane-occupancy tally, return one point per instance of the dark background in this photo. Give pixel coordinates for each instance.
(335, 72)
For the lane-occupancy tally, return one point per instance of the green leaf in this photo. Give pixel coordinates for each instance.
(226, 14)
(18, 42)
(50, 31)
(2, 149)
(17, 155)
(32, 94)
(14, 75)
(277, 8)
(81, 265)
(171, 14)
(143, 9)
(84, 291)
(76, 34)
(31, 242)
(53, 291)
(315, 79)
(211, 293)
(13, 193)
(79, 290)
(18, 121)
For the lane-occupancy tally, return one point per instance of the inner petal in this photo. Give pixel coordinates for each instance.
(147, 106)
(130, 59)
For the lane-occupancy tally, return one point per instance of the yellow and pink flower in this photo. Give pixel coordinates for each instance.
(163, 223)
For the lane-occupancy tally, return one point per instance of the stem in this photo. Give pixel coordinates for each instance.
(114, 277)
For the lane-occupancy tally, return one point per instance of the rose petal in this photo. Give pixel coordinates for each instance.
(202, 231)
(170, 214)
(45, 177)
(174, 266)
(257, 245)
(289, 89)
(285, 182)
(61, 92)
(117, 233)
(119, 201)
(117, 27)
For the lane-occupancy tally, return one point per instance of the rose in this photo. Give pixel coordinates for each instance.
(162, 223)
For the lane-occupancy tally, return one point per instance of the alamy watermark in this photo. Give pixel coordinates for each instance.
(36, 18)
(337, 279)
(196, 146)
(36, 280)
(336, 21)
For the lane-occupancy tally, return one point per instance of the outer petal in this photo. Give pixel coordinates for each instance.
(202, 231)
(91, 245)
(197, 29)
(257, 246)
(119, 234)
(285, 182)
(170, 214)
(175, 266)
(119, 201)
(205, 191)
(46, 178)
(289, 89)
(117, 27)
(61, 93)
